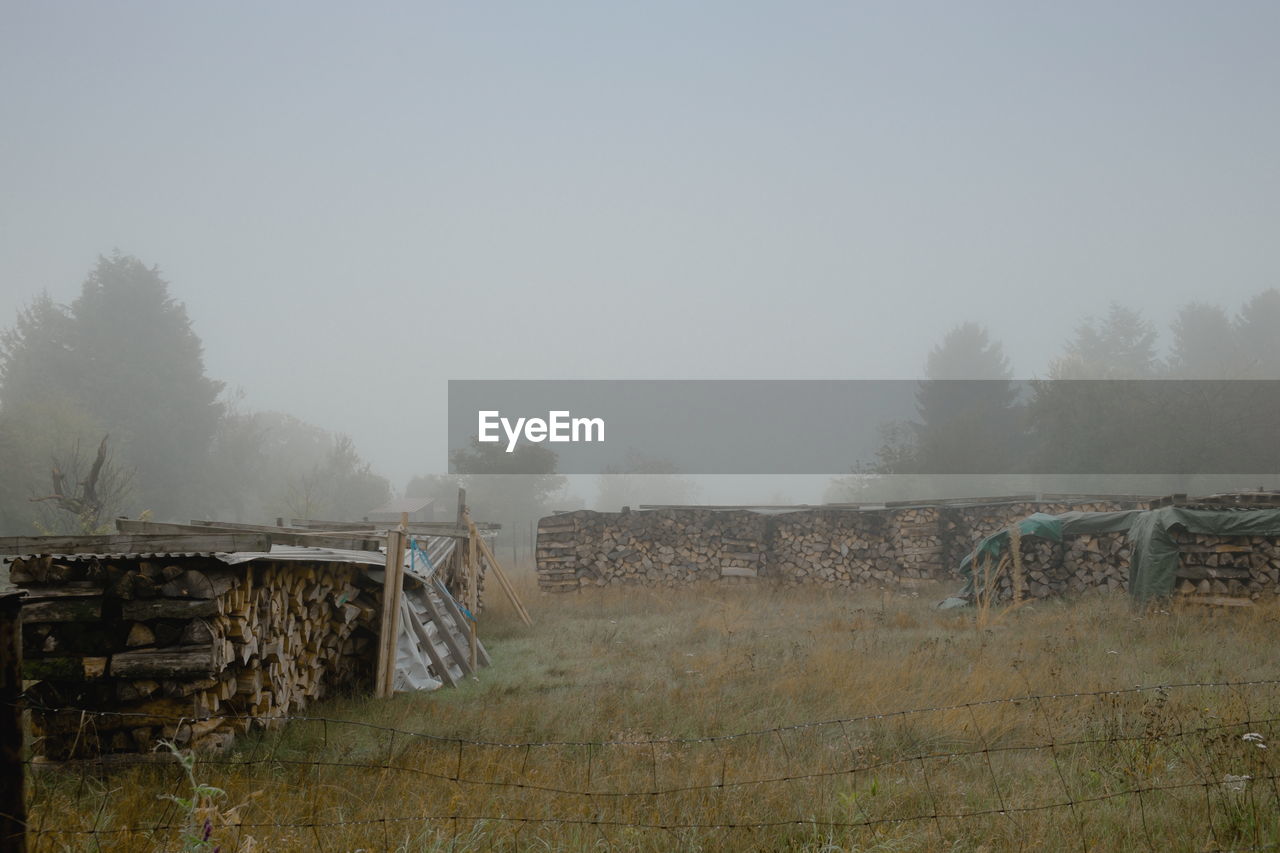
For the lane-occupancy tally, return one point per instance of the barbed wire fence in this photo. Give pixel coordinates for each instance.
(1156, 767)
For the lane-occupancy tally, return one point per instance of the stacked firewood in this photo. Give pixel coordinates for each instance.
(1096, 561)
(1226, 570)
(830, 548)
(656, 547)
(917, 537)
(899, 545)
(185, 648)
(559, 538)
(964, 526)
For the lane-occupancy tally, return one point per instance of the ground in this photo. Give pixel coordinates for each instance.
(744, 717)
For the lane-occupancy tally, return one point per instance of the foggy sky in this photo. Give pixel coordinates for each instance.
(356, 202)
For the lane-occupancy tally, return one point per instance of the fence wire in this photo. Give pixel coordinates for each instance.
(1155, 767)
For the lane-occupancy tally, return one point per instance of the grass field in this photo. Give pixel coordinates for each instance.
(741, 718)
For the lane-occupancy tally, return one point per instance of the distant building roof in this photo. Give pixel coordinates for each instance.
(399, 505)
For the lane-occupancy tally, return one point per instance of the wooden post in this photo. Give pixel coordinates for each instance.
(392, 587)
(473, 584)
(13, 812)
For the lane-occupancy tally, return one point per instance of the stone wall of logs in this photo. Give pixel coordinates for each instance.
(155, 640)
(903, 546)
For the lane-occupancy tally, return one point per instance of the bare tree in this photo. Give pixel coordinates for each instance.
(91, 498)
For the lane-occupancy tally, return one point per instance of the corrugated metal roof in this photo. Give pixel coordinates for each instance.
(130, 555)
(308, 553)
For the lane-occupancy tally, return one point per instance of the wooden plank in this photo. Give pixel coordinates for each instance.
(64, 610)
(473, 578)
(504, 582)
(432, 528)
(389, 628)
(164, 663)
(279, 535)
(201, 543)
(452, 638)
(459, 619)
(72, 589)
(424, 639)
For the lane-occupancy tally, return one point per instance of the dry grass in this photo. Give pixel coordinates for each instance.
(645, 669)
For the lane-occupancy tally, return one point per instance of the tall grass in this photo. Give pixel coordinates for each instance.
(627, 677)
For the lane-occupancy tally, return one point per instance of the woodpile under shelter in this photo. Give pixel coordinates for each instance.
(196, 632)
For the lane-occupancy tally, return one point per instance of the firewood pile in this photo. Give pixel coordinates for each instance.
(659, 547)
(1047, 569)
(964, 526)
(903, 546)
(152, 640)
(1231, 571)
(831, 548)
(917, 540)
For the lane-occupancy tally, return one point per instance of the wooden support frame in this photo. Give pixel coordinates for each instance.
(503, 580)
(392, 590)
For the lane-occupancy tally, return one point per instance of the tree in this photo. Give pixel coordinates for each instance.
(1256, 331)
(33, 433)
(1121, 345)
(967, 417)
(125, 355)
(38, 359)
(512, 489)
(1204, 344)
(1097, 414)
(140, 370)
(342, 487)
(86, 493)
(643, 480)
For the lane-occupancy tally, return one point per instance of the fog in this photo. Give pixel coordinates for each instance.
(357, 205)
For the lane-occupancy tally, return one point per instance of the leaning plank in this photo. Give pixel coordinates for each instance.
(451, 607)
(194, 543)
(450, 636)
(502, 580)
(425, 640)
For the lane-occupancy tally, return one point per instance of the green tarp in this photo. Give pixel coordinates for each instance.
(1153, 564)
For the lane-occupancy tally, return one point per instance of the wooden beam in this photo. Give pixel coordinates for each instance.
(505, 583)
(392, 587)
(279, 535)
(173, 543)
(435, 528)
(473, 575)
(424, 638)
(456, 650)
(459, 619)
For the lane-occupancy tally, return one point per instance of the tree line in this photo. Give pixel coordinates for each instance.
(1112, 406)
(106, 409)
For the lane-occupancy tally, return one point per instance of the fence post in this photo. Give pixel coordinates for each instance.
(13, 812)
